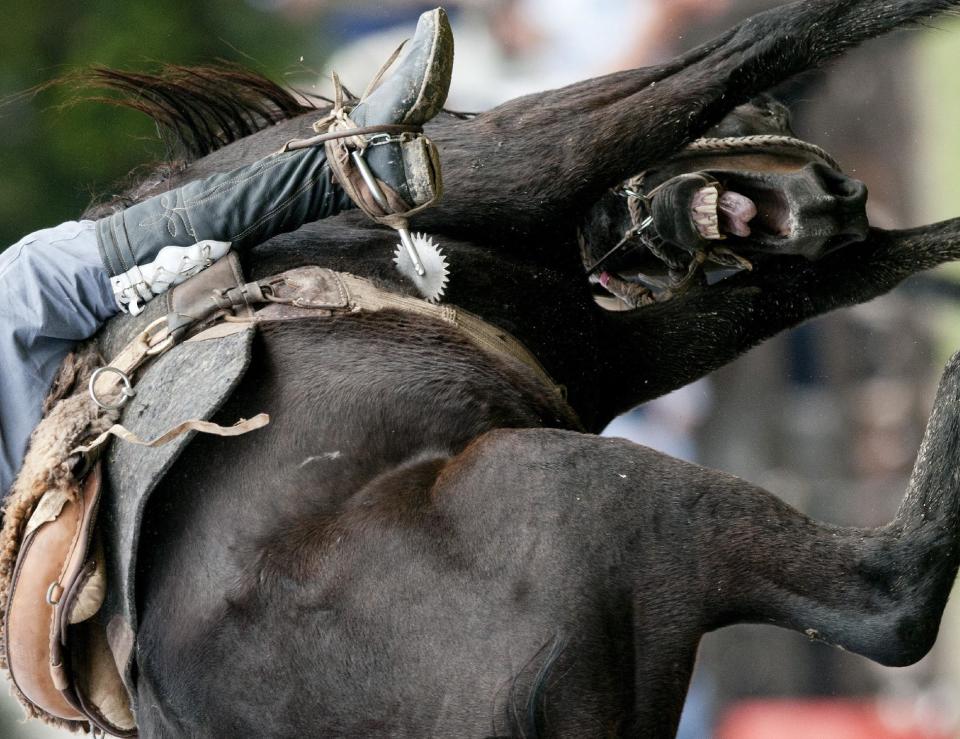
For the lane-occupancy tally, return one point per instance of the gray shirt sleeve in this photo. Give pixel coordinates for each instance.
(54, 292)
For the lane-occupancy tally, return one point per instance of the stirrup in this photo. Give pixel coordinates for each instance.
(345, 144)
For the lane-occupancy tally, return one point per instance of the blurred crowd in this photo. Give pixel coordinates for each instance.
(508, 48)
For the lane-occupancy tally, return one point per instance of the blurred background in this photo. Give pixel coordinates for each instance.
(828, 417)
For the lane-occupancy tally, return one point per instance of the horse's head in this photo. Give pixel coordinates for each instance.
(749, 188)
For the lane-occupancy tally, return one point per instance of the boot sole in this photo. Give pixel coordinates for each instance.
(421, 107)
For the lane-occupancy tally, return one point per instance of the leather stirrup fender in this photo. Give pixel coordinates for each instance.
(54, 565)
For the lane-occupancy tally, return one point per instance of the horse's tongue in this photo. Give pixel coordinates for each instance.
(735, 211)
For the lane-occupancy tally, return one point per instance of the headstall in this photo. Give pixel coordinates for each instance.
(684, 266)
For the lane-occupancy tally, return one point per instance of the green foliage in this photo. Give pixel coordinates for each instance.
(55, 158)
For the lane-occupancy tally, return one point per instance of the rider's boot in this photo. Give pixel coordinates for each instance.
(404, 164)
(201, 220)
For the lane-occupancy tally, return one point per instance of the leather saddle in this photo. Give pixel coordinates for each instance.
(65, 633)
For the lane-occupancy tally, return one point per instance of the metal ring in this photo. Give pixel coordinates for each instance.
(126, 392)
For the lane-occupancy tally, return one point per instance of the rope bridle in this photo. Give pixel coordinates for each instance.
(750, 144)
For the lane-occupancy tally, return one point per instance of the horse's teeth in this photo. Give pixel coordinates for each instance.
(704, 213)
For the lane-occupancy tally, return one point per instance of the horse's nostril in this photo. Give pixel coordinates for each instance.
(853, 191)
(837, 184)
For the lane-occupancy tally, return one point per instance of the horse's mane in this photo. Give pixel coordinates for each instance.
(197, 110)
(201, 108)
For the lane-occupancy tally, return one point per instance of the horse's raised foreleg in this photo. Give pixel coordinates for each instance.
(878, 592)
(596, 530)
(535, 163)
(664, 346)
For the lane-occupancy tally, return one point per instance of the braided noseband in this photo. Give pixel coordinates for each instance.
(750, 144)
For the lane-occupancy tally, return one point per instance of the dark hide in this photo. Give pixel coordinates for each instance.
(409, 550)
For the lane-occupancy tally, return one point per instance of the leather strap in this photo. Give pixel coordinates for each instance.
(349, 178)
(203, 299)
(243, 426)
(312, 292)
(387, 128)
(364, 295)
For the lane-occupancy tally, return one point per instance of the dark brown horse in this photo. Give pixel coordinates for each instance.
(423, 543)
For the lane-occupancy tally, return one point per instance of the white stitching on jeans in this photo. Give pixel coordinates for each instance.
(167, 217)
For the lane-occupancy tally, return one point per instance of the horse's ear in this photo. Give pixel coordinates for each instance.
(762, 115)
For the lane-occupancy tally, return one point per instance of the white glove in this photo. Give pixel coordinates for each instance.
(173, 264)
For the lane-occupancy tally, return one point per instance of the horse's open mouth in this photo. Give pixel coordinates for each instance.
(740, 211)
(694, 226)
(807, 211)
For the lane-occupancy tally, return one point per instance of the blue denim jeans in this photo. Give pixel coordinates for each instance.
(54, 292)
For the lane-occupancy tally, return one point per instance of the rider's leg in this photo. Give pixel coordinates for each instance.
(285, 190)
(55, 292)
